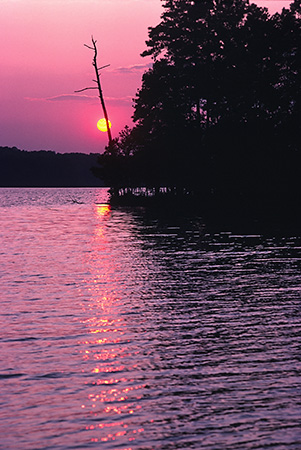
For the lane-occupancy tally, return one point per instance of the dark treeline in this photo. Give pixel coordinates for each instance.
(219, 111)
(19, 168)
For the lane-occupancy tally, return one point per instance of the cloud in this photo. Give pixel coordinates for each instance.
(64, 98)
(120, 100)
(81, 98)
(133, 69)
(72, 97)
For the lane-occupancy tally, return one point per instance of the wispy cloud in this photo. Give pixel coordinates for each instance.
(81, 98)
(72, 97)
(64, 98)
(120, 100)
(133, 68)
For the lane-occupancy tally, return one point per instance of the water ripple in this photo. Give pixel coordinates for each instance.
(131, 331)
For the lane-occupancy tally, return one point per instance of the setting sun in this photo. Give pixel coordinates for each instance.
(102, 125)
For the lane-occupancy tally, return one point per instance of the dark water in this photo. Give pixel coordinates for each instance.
(125, 330)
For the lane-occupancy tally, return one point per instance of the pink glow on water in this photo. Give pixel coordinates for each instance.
(114, 395)
(124, 330)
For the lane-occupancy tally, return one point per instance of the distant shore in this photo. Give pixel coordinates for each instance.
(21, 168)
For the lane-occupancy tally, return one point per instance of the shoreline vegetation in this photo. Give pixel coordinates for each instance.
(216, 120)
(45, 168)
(277, 211)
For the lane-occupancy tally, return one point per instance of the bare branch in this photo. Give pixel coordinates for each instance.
(103, 67)
(86, 89)
(97, 70)
(95, 49)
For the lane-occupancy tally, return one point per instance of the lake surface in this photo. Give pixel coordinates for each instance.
(124, 329)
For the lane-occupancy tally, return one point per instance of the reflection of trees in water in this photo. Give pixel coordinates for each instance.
(180, 322)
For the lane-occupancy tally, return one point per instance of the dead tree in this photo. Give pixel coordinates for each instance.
(97, 73)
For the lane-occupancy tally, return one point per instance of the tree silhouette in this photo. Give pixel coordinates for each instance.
(99, 88)
(218, 112)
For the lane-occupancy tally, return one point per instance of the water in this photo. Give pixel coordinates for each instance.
(123, 329)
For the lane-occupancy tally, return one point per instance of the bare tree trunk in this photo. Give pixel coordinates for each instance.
(97, 70)
(94, 63)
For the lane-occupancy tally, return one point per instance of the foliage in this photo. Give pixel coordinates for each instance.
(44, 168)
(219, 109)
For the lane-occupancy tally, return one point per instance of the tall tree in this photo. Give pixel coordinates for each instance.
(99, 87)
(220, 105)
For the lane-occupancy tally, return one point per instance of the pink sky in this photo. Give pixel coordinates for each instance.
(43, 60)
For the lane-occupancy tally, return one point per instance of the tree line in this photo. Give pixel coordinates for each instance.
(219, 110)
(44, 168)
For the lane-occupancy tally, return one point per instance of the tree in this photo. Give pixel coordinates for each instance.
(99, 88)
(219, 107)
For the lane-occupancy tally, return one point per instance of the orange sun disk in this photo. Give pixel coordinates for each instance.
(102, 125)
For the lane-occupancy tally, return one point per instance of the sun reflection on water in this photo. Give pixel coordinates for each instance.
(103, 209)
(113, 392)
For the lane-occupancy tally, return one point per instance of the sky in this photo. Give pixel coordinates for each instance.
(44, 60)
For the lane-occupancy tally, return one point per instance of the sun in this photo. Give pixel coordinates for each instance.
(102, 125)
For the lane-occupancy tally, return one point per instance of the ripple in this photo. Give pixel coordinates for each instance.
(123, 329)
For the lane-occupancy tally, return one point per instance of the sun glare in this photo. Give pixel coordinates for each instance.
(103, 209)
(102, 125)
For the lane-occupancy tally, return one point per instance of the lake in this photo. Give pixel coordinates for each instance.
(127, 329)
